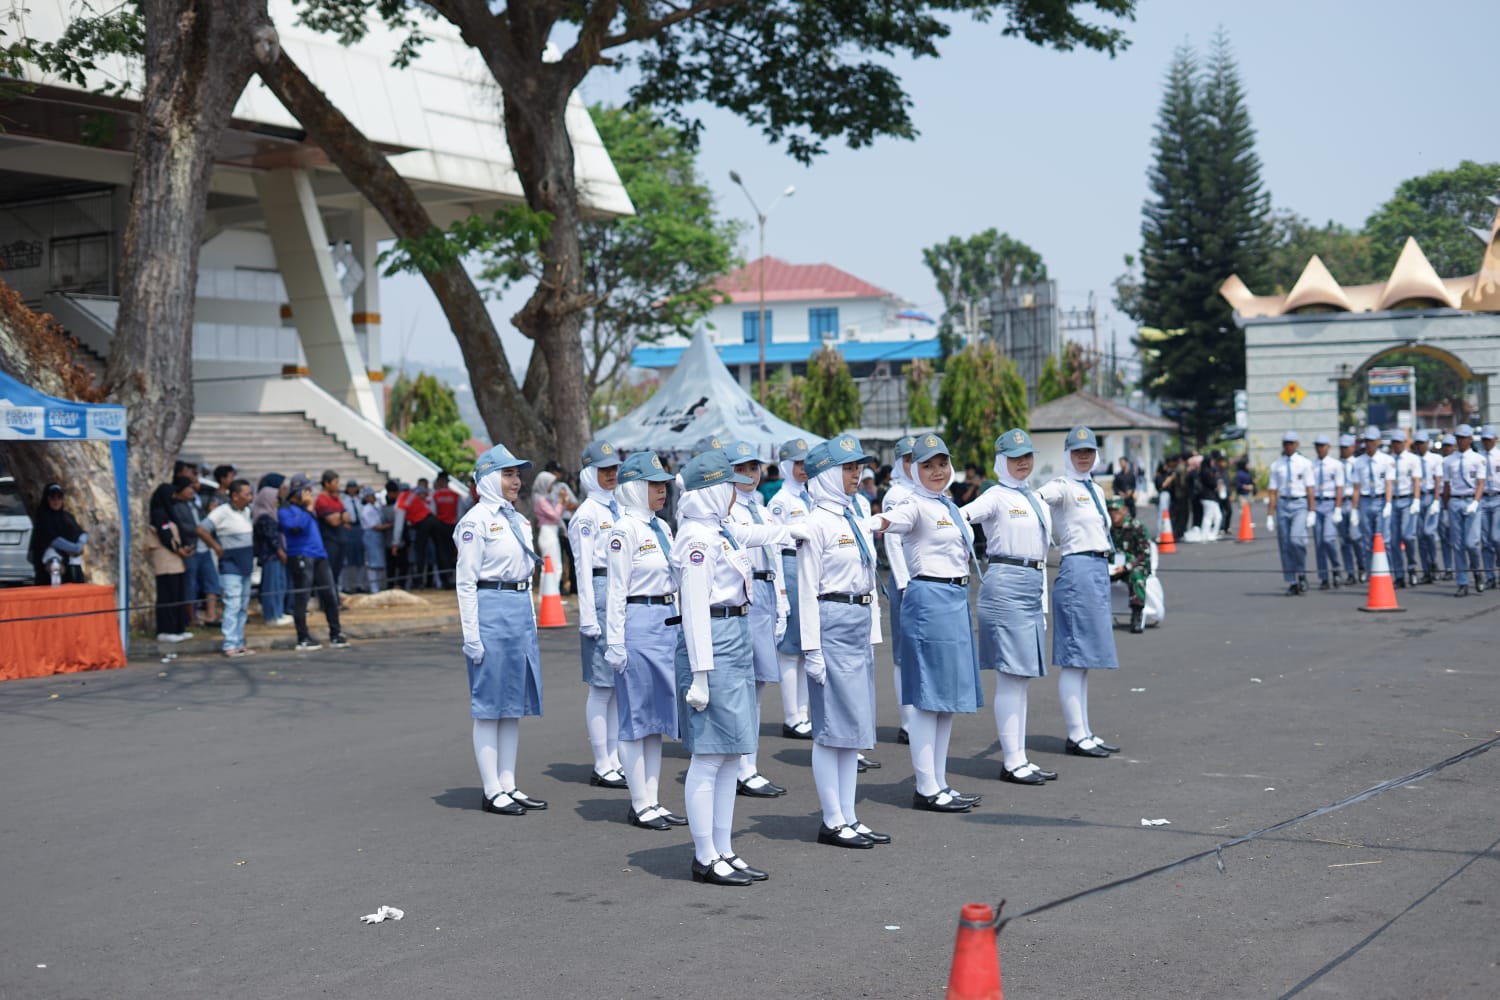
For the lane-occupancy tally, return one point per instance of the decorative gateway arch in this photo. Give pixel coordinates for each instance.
(1308, 352)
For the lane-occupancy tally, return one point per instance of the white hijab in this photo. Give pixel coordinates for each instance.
(488, 489)
(589, 478)
(635, 498)
(709, 505)
(1003, 476)
(827, 487)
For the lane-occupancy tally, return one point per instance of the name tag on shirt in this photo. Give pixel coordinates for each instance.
(943, 522)
(493, 527)
(1084, 500)
(1018, 512)
(845, 540)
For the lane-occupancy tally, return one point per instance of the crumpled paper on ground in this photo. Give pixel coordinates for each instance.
(1155, 822)
(383, 914)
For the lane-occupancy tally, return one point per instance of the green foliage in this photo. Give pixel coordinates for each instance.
(920, 410)
(786, 397)
(441, 442)
(1049, 384)
(1206, 220)
(1437, 209)
(510, 238)
(981, 395)
(650, 275)
(1346, 253)
(831, 399)
(618, 397)
(419, 400)
(966, 271)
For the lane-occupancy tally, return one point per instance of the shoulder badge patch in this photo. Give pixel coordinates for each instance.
(696, 557)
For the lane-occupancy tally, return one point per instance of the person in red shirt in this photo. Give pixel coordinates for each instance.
(328, 508)
(414, 524)
(445, 502)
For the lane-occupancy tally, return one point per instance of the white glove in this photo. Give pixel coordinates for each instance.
(1271, 523)
(1312, 520)
(1472, 508)
(697, 694)
(817, 671)
(873, 524)
(1433, 508)
(798, 532)
(1354, 518)
(383, 914)
(589, 631)
(1338, 516)
(1385, 512)
(615, 657)
(474, 651)
(780, 628)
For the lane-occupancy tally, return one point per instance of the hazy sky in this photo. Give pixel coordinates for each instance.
(1348, 98)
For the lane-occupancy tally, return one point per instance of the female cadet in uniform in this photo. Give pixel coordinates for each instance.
(899, 493)
(641, 645)
(1082, 626)
(839, 620)
(939, 674)
(587, 531)
(768, 610)
(493, 576)
(791, 505)
(1012, 620)
(715, 676)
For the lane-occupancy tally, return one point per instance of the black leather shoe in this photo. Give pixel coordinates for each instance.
(527, 801)
(1137, 620)
(739, 864)
(903, 737)
(1479, 588)
(1023, 775)
(671, 817)
(1428, 578)
(503, 805)
(1081, 751)
(1349, 580)
(653, 823)
(1106, 747)
(843, 836)
(1292, 591)
(871, 835)
(801, 731)
(721, 872)
(1301, 584)
(1324, 585)
(1463, 590)
(972, 800)
(942, 802)
(765, 790)
(868, 764)
(1400, 583)
(1046, 775)
(1447, 574)
(609, 779)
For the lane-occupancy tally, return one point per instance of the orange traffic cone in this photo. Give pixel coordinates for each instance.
(552, 610)
(1382, 587)
(1166, 544)
(976, 961)
(1247, 524)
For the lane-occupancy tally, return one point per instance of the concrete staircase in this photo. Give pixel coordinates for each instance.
(288, 443)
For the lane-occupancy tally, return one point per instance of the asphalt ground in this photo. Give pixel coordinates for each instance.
(213, 828)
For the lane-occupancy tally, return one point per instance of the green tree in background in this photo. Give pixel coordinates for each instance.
(982, 394)
(1437, 209)
(1065, 373)
(1206, 219)
(786, 397)
(831, 399)
(1345, 252)
(920, 410)
(1049, 384)
(968, 270)
(423, 412)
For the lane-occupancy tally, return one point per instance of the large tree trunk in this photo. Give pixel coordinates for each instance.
(507, 415)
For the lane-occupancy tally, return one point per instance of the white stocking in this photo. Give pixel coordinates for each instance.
(633, 756)
(508, 742)
(486, 738)
(905, 710)
(1073, 691)
(598, 714)
(793, 681)
(724, 792)
(749, 763)
(1010, 717)
(940, 748)
(922, 731)
(848, 781)
(825, 769)
(702, 779)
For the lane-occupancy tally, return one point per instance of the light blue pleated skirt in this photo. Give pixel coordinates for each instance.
(842, 708)
(893, 601)
(727, 725)
(1012, 621)
(763, 631)
(939, 671)
(646, 690)
(1082, 626)
(596, 671)
(508, 684)
(791, 643)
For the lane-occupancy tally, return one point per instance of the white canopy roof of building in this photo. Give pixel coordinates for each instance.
(700, 400)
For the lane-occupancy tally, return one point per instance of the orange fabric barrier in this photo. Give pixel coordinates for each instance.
(58, 645)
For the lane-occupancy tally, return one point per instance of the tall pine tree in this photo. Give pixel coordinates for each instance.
(1207, 218)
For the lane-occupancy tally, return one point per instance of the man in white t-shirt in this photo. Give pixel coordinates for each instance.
(229, 531)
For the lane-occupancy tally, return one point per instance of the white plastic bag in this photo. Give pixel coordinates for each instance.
(1156, 601)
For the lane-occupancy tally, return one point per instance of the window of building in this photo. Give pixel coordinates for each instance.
(81, 263)
(751, 324)
(823, 324)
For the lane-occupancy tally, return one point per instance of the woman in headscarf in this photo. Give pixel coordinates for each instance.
(493, 580)
(548, 514)
(56, 536)
(939, 672)
(715, 673)
(167, 548)
(899, 492)
(377, 532)
(1012, 616)
(790, 505)
(839, 620)
(641, 646)
(270, 550)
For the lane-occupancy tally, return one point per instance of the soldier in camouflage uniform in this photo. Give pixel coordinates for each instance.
(1132, 542)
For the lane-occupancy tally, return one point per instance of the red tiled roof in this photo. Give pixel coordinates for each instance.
(791, 282)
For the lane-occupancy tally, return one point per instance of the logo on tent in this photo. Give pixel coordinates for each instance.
(107, 422)
(21, 422)
(65, 423)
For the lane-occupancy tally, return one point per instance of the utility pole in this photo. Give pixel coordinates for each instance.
(760, 218)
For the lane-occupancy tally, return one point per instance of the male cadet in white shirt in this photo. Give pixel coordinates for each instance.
(1430, 515)
(1291, 512)
(1406, 484)
(1328, 482)
(1489, 506)
(1373, 482)
(1354, 566)
(1463, 484)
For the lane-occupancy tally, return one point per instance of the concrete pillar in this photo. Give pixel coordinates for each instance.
(366, 304)
(312, 287)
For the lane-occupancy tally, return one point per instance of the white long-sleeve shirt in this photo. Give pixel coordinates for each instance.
(934, 543)
(712, 572)
(587, 531)
(829, 562)
(749, 512)
(637, 567)
(1077, 515)
(895, 547)
(488, 549)
(1011, 527)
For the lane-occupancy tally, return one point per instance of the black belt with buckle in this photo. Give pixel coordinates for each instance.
(1096, 554)
(764, 574)
(1009, 561)
(601, 572)
(789, 552)
(848, 598)
(738, 611)
(957, 581)
(651, 599)
(502, 585)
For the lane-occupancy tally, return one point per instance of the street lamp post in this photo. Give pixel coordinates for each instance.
(760, 218)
